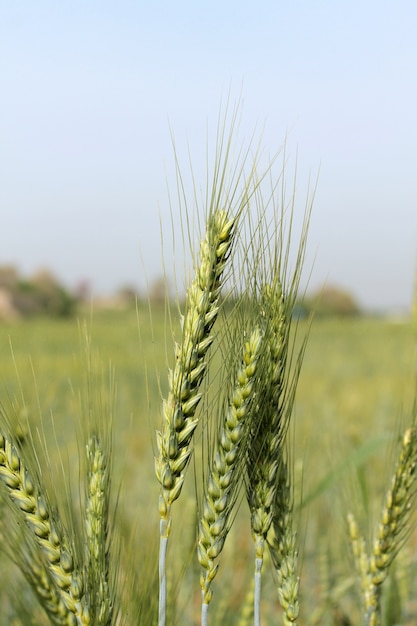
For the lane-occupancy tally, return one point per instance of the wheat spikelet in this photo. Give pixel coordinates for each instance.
(65, 591)
(267, 494)
(96, 524)
(40, 581)
(373, 569)
(201, 309)
(221, 487)
(396, 510)
(269, 427)
(179, 410)
(393, 521)
(360, 555)
(273, 300)
(283, 549)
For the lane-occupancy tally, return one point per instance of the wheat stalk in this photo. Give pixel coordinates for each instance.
(220, 493)
(63, 587)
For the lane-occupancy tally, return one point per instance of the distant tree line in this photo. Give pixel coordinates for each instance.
(41, 294)
(326, 302)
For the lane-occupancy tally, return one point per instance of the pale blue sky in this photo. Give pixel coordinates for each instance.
(89, 91)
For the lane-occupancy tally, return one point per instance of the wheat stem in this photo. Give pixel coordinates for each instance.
(163, 544)
(257, 592)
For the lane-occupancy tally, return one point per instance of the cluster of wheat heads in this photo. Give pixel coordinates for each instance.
(239, 318)
(65, 560)
(246, 430)
(245, 251)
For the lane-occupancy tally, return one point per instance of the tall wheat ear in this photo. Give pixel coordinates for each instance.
(179, 410)
(275, 293)
(393, 527)
(228, 193)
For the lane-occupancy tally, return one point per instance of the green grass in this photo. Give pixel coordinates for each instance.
(355, 385)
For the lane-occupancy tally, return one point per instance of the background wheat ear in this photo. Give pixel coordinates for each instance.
(64, 553)
(224, 476)
(51, 567)
(393, 528)
(274, 290)
(97, 533)
(96, 407)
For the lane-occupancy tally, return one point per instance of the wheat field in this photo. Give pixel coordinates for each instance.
(354, 392)
(213, 458)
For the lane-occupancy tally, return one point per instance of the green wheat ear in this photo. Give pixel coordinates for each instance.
(282, 541)
(52, 571)
(179, 410)
(268, 480)
(373, 569)
(97, 532)
(221, 488)
(97, 399)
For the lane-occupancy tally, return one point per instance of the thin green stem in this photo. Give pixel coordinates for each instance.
(257, 592)
(204, 611)
(162, 573)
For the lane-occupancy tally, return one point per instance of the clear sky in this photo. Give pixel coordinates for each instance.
(90, 89)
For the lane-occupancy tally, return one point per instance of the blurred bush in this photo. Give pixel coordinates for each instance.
(42, 294)
(331, 301)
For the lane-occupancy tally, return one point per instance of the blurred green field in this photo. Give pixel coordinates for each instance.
(356, 386)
